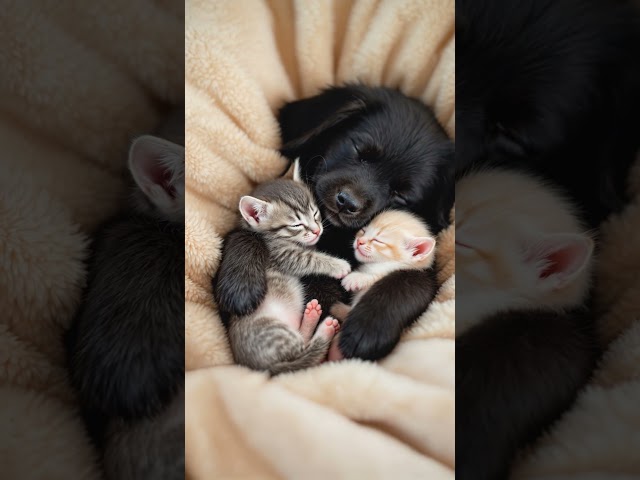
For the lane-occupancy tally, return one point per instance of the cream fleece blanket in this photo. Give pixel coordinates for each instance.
(599, 438)
(75, 91)
(348, 420)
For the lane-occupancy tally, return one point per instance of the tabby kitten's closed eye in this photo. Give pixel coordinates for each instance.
(279, 336)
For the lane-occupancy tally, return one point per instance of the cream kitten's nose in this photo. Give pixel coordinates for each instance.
(360, 241)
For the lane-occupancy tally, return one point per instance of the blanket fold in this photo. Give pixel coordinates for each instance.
(351, 419)
(79, 80)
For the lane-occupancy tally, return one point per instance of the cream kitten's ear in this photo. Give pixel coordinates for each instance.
(420, 247)
(157, 166)
(560, 258)
(254, 210)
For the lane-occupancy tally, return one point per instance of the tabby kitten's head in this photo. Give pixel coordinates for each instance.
(395, 236)
(283, 209)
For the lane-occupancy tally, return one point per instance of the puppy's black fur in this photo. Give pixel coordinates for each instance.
(551, 85)
(361, 150)
(515, 375)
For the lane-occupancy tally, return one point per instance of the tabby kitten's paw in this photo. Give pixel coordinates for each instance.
(341, 269)
(328, 328)
(356, 281)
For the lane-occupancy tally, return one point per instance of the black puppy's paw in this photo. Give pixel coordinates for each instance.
(359, 340)
(241, 283)
(374, 326)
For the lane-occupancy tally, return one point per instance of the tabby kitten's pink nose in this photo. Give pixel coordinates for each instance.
(316, 231)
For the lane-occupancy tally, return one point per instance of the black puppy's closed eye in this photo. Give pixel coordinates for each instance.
(398, 197)
(508, 141)
(358, 153)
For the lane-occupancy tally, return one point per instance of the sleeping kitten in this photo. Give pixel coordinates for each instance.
(517, 246)
(393, 240)
(126, 344)
(277, 337)
(524, 330)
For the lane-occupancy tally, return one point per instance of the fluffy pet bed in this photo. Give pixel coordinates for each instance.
(351, 419)
(76, 90)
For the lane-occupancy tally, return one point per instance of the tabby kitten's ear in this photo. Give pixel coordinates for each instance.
(157, 167)
(420, 247)
(560, 258)
(254, 210)
(295, 170)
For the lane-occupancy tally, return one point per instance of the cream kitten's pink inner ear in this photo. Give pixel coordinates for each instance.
(154, 164)
(253, 210)
(421, 247)
(559, 258)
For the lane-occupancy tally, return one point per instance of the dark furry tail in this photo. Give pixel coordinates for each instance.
(311, 356)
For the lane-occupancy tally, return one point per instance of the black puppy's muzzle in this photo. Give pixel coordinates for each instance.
(347, 203)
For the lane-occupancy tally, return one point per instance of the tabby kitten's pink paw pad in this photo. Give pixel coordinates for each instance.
(313, 310)
(329, 327)
(310, 317)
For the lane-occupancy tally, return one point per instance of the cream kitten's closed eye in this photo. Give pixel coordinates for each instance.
(397, 242)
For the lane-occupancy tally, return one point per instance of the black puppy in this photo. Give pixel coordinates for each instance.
(362, 150)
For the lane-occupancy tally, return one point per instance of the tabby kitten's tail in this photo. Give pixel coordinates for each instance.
(312, 355)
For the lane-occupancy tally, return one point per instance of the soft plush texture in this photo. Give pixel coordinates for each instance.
(350, 419)
(598, 438)
(79, 81)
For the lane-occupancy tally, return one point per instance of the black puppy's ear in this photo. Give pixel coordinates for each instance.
(306, 120)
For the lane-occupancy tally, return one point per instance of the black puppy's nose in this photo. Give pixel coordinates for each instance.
(345, 201)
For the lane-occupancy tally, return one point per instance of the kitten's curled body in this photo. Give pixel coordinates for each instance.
(394, 243)
(394, 240)
(277, 337)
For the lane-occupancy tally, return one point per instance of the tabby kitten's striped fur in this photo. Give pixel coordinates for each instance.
(278, 337)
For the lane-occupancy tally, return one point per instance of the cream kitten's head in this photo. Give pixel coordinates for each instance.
(519, 244)
(157, 167)
(395, 236)
(283, 209)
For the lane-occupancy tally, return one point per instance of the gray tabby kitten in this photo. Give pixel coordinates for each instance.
(277, 337)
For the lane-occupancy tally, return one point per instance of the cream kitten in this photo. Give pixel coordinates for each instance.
(394, 240)
(519, 245)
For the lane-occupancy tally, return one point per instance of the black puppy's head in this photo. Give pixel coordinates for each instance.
(365, 149)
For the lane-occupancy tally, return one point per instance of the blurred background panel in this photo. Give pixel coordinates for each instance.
(78, 81)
